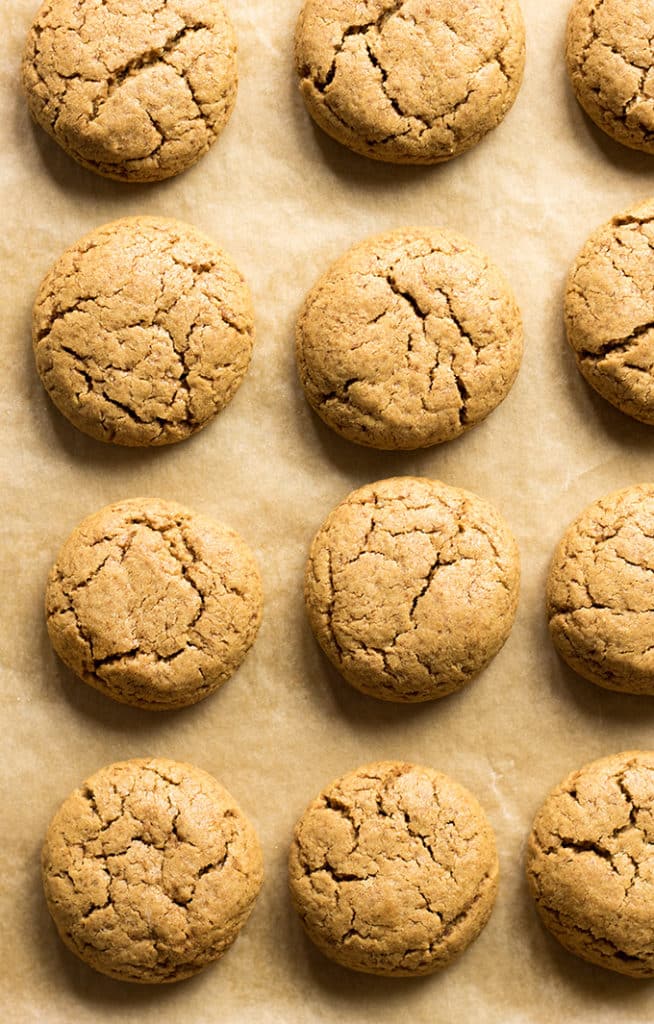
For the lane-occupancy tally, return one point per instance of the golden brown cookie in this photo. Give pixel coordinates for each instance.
(393, 869)
(411, 587)
(600, 592)
(409, 339)
(136, 92)
(142, 331)
(150, 870)
(409, 81)
(609, 311)
(152, 604)
(590, 863)
(610, 58)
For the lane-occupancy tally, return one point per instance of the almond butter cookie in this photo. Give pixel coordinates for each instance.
(409, 81)
(409, 339)
(411, 588)
(610, 58)
(590, 863)
(142, 331)
(150, 870)
(136, 92)
(152, 604)
(600, 592)
(393, 870)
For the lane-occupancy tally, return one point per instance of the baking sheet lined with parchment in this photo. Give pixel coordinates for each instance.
(285, 200)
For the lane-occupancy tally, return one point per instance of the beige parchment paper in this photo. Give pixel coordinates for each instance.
(285, 201)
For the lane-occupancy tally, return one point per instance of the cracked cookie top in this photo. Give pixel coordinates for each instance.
(136, 92)
(590, 863)
(411, 587)
(152, 604)
(610, 57)
(609, 311)
(600, 592)
(393, 869)
(142, 331)
(409, 339)
(150, 870)
(409, 81)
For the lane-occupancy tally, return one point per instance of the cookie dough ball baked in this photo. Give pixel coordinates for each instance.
(609, 311)
(409, 82)
(600, 592)
(610, 58)
(393, 870)
(411, 588)
(136, 92)
(150, 870)
(409, 339)
(590, 863)
(142, 331)
(152, 604)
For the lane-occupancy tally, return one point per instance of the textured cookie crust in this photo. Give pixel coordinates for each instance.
(600, 592)
(136, 92)
(409, 81)
(393, 869)
(152, 604)
(142, 331)
(609, 311)
(150, 870)
(590, 863)
(409, 339)
(610, 54)
(411, 588)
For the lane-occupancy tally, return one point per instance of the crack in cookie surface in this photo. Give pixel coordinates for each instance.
(590, 862)
(408, 339)
(152, 604)
(411, 588)
(393, 869)
(138, 97)
(142, 331)
(610, 57)
(150, 870)
(406, 80)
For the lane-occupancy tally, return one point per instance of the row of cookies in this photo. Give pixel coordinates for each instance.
(141, 94)
(150, 868)
(143, 331)
(411, 588)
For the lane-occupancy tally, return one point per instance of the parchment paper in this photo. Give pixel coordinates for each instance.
(285, 200)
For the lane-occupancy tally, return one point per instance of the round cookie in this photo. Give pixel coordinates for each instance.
(142, 331)
(150, 870)
(409, 339)
(409, 81)
(600, 592)
(590, 864)
(136, 92)
(152, 604)
(411, 588)
(610, 58)
(609, 311)
(393, 870)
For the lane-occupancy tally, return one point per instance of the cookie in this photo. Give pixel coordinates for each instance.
(600, 592)
(609, 311)
(610, 58)
(150, 870)
(409, 339)
(152, 604)
(136, 92)
(590, 863)
(409, 81)
(393, 870)
(142, 331)
(411, 588)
